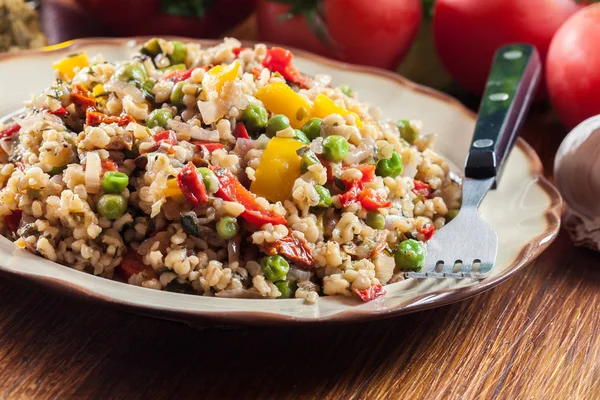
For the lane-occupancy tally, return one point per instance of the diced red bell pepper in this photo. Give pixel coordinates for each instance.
(166, 137)
(279, 60)
(256, 71)
(132, 264)
(81, 97)
(108, 165)
(178, 76)
(192, 185)
(292, 248)
(241, 131)
(210, 146)
(230, 189)
(95, 118)
(367, 170)
(370, 199)
(353, 191)
(427, 231)
(370, 293)
(60, 112)
(8, 132)
(236, 51)
(13, 220)
(422, 189)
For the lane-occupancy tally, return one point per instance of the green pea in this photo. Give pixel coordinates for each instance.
(227, 227)
(151, 48)
(407, 131)
(375, 220)
(134, 71)
(111, 206)
(179, 53)
(177, 94)
(335, 148)
(312, 128)
(286, 288)
(346, 89)
(210, 179)
(307, 158)
(451, 215)
(158, 117)
(277, 123)
(275, 268)
(255, 118)
(390, 166)
(300, 136)
(114, 182)
(324, 196)
(410, 255)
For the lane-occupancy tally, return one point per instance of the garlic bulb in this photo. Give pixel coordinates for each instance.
(577, 177)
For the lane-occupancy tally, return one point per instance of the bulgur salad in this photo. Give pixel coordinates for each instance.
(220, 171)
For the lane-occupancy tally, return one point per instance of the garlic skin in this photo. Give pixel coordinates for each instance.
(577, 177)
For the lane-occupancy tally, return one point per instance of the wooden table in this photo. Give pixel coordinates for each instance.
(537, 337)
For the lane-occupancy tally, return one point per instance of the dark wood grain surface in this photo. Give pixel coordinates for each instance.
(535, 337)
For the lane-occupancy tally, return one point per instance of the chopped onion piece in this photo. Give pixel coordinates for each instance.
(93, 169)
(204, 134)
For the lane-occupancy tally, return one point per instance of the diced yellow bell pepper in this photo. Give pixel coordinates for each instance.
(172, 189)
(278, 169)
(66, 66)
(324, 106)
(98, 90)
(216, 77)
(279, 98)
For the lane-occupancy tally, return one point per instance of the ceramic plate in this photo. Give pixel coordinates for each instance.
(524, 210)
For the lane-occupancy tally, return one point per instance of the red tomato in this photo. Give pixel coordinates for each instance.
(377, 33)
(468, 32)
(151, 17)
(573, 67)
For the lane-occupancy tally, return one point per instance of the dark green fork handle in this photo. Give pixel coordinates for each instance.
(511, 86)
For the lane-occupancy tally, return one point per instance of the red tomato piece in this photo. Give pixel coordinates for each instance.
(179, 76)
(367, 170)
(427, 231)
(95, 118)
(422, 189)
(109, 165)
(81, 97)
(370, 199)
(241, 131)
(166, 137)
(61, 112)
(8, 132)
(370, 293)
(13, 220)
(132, 264)
(230, 189)
(279, 60)
(192, 185)
(210, 146)
(353, 190)
(292, 248)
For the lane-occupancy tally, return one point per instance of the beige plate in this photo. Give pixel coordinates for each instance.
(524, 210)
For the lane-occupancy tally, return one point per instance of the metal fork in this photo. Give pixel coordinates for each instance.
(467, 247)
